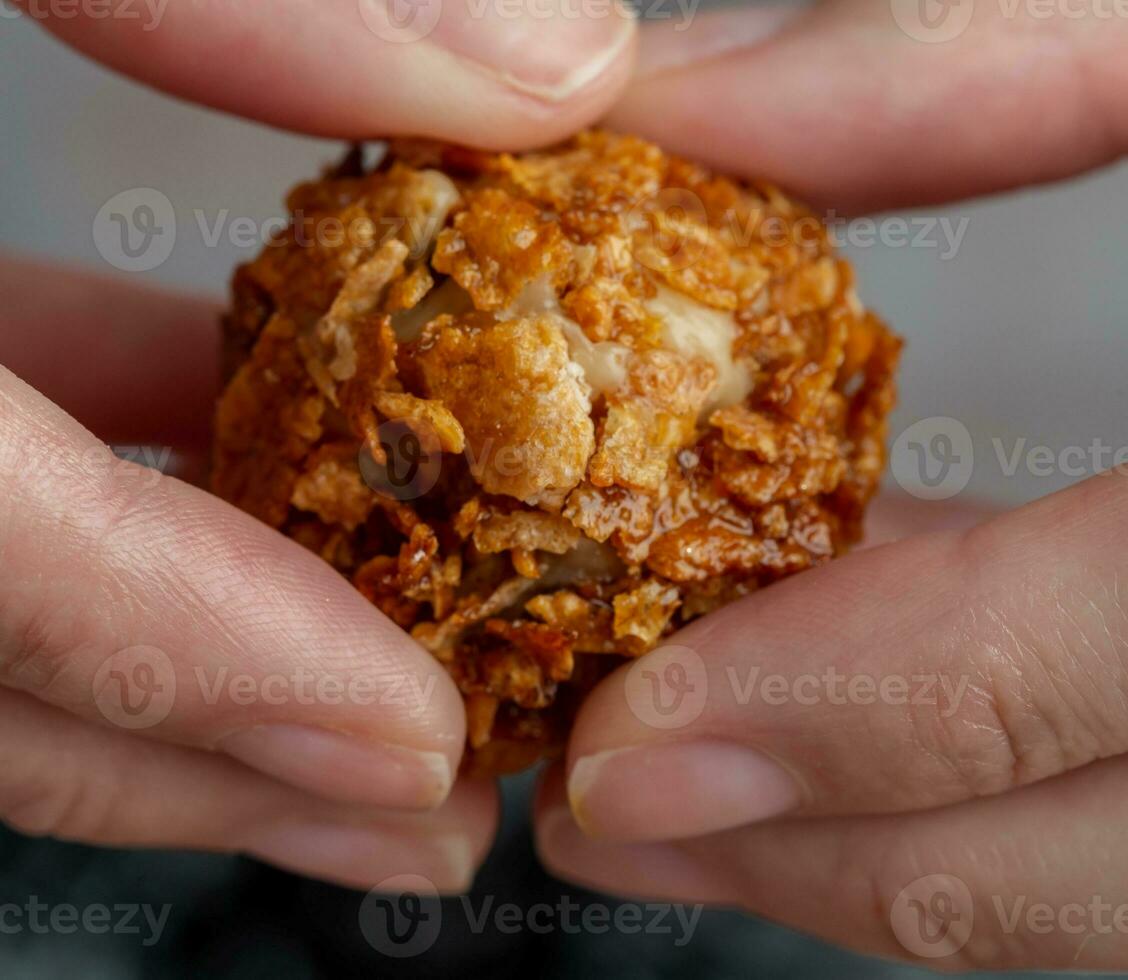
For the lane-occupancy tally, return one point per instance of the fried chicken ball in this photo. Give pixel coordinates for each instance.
(542, 410)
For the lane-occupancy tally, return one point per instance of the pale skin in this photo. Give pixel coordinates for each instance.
(1019, 791)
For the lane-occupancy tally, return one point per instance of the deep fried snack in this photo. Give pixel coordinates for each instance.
(542, 410)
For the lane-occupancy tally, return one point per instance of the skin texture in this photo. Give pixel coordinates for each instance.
(1017, 792)
(112, 557)
(323, 68)
(842, 107)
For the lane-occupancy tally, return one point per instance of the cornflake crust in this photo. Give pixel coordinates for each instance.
(542, 410)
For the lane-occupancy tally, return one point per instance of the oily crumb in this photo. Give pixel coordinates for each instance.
(544, 409)
(526, 413)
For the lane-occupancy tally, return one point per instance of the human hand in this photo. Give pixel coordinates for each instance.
(801, 801)
(156, 645)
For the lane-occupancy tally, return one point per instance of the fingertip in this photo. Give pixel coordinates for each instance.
(671, 790)
(444, 848)
(346, 769)
(644, 870)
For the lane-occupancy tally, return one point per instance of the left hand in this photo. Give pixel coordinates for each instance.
(100, 558)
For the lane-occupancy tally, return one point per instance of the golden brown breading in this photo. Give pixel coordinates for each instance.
(543, 410)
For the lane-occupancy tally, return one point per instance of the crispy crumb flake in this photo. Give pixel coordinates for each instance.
(517, 395)
(643, 613)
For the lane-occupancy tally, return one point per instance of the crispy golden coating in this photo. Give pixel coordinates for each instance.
(542, 410)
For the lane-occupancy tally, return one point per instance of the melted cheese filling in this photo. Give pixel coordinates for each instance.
(691, 329)
(603, 364)
(696, 330)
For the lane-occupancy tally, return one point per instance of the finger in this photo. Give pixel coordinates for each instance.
(135, 599)
(1034, 879)
(894, 516)
(910, 676)
(62, 777)
(136, 365)
(471, 73)
(853, 110)
(673, 871)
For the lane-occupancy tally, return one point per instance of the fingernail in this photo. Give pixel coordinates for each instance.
(670, 790)
(658, 869)
(713, 35)
(550, 51)
(363, 856)
(341, 768)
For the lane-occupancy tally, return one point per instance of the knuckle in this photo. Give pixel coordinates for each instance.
(31, 656)
(1006, 734)
(1054, 687)
(44, 622)
(886, 865)
(64, 805)
(974, 746)
(1043, 660)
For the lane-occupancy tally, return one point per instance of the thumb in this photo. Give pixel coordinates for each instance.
(939, 669)
(485, 72)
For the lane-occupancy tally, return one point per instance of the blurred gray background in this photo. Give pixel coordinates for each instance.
(1023, 334)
